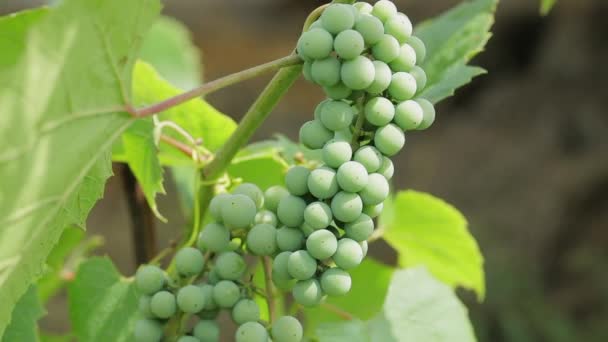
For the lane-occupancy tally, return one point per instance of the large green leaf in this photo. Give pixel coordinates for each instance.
(66, 78)
(259, 164)
(103, 305)
(23, 327)
(427, 231)
(452, 40)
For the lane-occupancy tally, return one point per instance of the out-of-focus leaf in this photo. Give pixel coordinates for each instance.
(262, 166)
(546, 6)
(23, 326)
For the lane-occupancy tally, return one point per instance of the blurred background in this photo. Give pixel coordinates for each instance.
(522, 152)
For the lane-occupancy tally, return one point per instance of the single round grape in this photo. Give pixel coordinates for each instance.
(360, 229)
(296, 179)
(349, 44)
(382, 78)
(318, 215)
(345, 135)
(188, 339)
(163, 305)
(301, 265)
(252, 191)
(420, 77)
(406, 59)
(399, 26)
(214, 237)
(428, 111)
(291, 210)
(379, 111)
(369, 157)
(289, 239)
(376, 191)
(245, 310)
(336, 153)
(251, 332)
(273, 196)
(358, 73)
(144, 306)
(352, 176)
(216, 204)
(419, 47)
(230, 265)
(307, 71)
(386, 49)
(316, 24)
(373, 211)
(338, 92)
(315, 44)
(408, 115)
(307, 229)
(387, 169)
(363, 7)
(364, 247)
(191, 299)
(266, 216)
(335, 282)
(207, 290)
(189, 261)
(370, 28)
(262, 239)
(322, 183)
(319, 108)
(207, 331)
(149, 279)
(321, 244)
(348, 255)
(148, 330)
(346, 206)
(314, 135)
(402, 87)
(337, 18)
(308, 292)
(286, 329)
(326, 72)
(238, 212)
(389, 139)
(384, 9)
(226, 293)
(336, 115)
(280, 275)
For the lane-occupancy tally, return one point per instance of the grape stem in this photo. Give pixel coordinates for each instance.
(339, 312)
(269, 288)
(359, 124)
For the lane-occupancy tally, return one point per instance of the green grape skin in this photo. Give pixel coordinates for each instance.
(307, 71)
(235, 244)
(273, 195)
(379, 111)
(307, 229)
(349, 44)
(402, 87)
(213, 277)
(214, 237)
(370, 28)
(308, 292)
(207, 290)
(408, 115)
(226, 294)
(348, 255)
(317, 215)
(238, 212)
(280, 275)
(216, 204)
(314, 135)
(262, 239)
(291, 211)
(189, 261)
(301, 265)
(363, 7)
(251, 332)
(289, 239)
(389, 139)
(326, 72)
(315, 44)
(352, 176)
(358, 73)
(286, 329)
(321, 244)
(149, 279)
(345, 135)
(373, 211)
(188, 339)
(369, 157)
(148, 330)
(245, 310)
(399, 26)
(230, 265)
(337, 18)
(384, 9)
(376, 191)
(336, 115)
(360, 229)
(420, 77)
(382, 78)
(336, 153)
(319, 108)
(336, 282)
(163, 305)
(386, 49)
(322, 183)
(419, 47)
(338, 92)
(346, 206)
(387, 169)
(316, 24)
(207, 331)
(296, 180)
(252, 191)
(364, 247)
(144, 306)
(266, 216)
(406, 59)
(428, 111)
(191, 299)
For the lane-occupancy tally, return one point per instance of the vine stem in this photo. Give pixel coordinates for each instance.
(339, 312)
(269, 288)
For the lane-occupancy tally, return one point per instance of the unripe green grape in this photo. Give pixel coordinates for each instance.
(348, 255)
(373, 211)
(336, 153)
(235, 244)
(252, 191)
(326, 72)
(213, 277)
(163, 305)
(207, 290)
(284, 284)
(307, 71)
(376, 191)
(384, 9)
(245, 310)
(148, 330)
(379, 111)
(286, 329)
(296, 179)
(207, 331)
(364, 247)
(238, 211)
(144, 306)
(322, 183)
(226, 293)
(408, 115)
(307, 229)
(266, 216)
(315, 44)
(321, 244)
(319, 108)
(428, 111)
(189, 261)
(360, 229)
(262, 239)
(369, 157)
(420, 77)
(389, 139)
(214, 237)
(289, 239)
(336, 282)
(344, 134)
(358, 73)
(308, 292)
(352, 176)
(419, 47)
(216, 204)
(406, 59)
(363, 7)
(349, 44)
(191, 299)
(338, 92)
(317, 215)
(337, 18)
(230, 265)
(316, 24)
(399, 26)
(188, 339)
(273, 196)
(280, 274)
(387, 169)
(314, 135)
(402, 87)
(291, 211)
(346, 206)
(301, 265)
(149, 279)
(386, 49)
(336, 115)
(370, 28)
(382, 78)
(251, 332)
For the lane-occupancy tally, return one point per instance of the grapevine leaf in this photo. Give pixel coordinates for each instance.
(23, 327)
(546, 6)
(350, 331)
(452, 40)
(67, 76)
(427, 231)
(261, 166)
(102, 304)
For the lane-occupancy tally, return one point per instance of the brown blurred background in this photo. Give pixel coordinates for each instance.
(522, 152)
